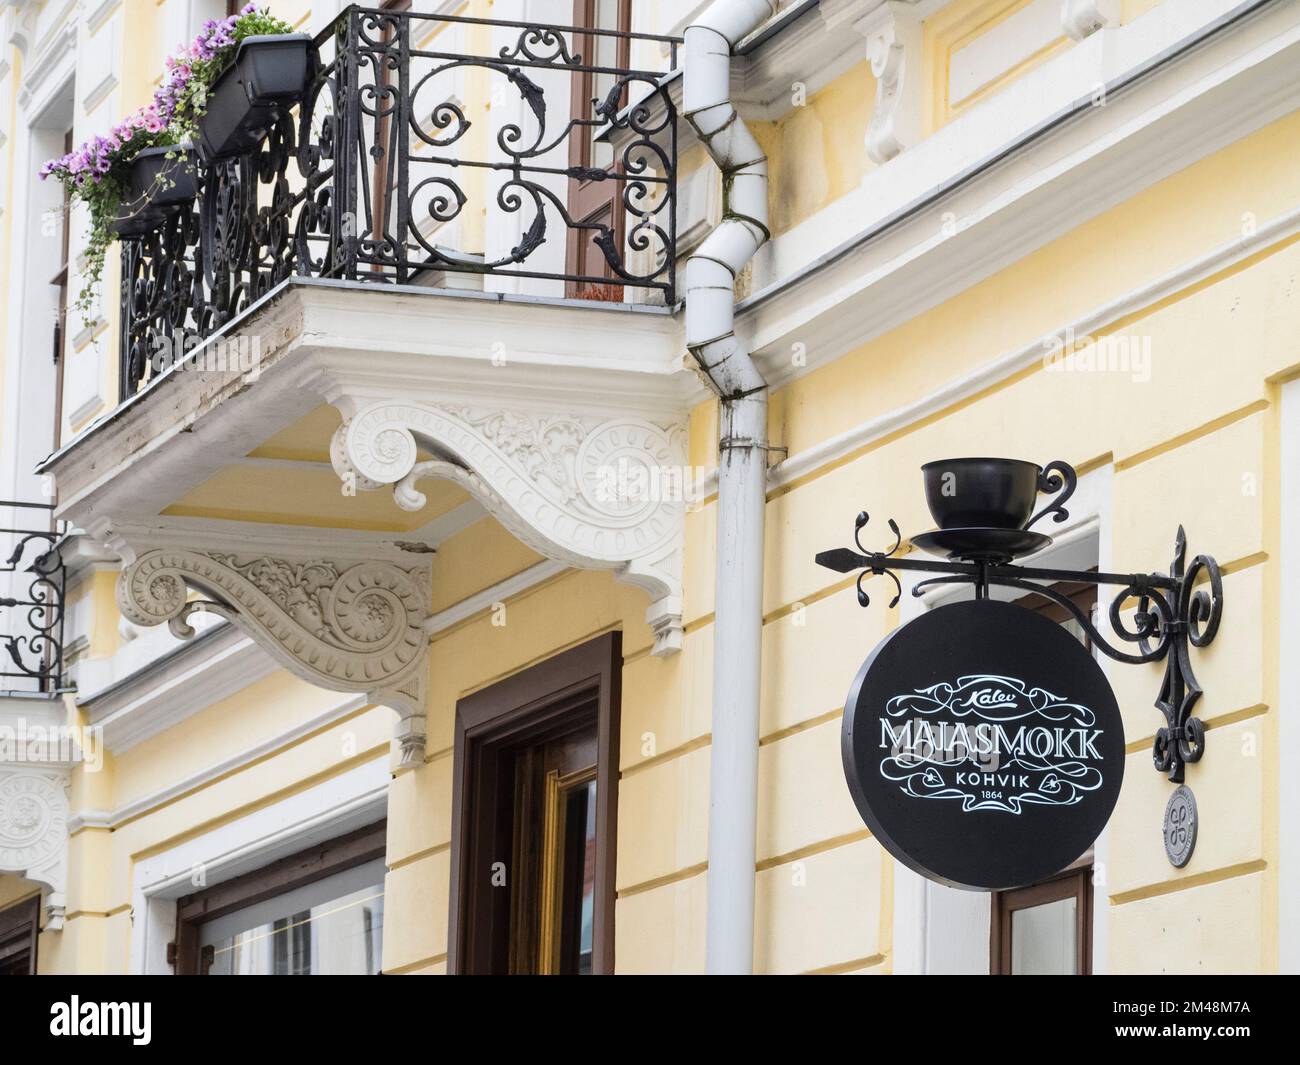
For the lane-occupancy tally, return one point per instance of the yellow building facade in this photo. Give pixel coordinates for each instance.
(312, 599)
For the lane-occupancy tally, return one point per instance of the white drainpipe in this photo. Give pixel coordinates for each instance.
(742, 470)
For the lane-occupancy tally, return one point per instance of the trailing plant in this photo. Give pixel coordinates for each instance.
(97, 174)
(192, 71)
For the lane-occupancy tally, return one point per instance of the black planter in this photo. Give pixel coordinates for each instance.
(160, 178)
(135, 220)
(981, 493)
(267, 73)
(165, 176)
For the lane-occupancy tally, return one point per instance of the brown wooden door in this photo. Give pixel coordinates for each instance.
(534, 818)
(595, 202)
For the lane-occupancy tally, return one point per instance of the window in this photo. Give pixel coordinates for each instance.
(20, 927)
(534, 802)
(595, 203)
(319, 912)
(60, 282)
(1046, 929)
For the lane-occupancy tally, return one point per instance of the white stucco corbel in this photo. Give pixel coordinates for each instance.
(34, 832)
(342, 624)
(1083, 18)
(893, 34)
(580, 487)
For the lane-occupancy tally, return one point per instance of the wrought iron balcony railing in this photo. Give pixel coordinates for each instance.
(426, 145)
(31, 603)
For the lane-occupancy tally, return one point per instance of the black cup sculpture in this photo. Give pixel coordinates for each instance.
(983, 506)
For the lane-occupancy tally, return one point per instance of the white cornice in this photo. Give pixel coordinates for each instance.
(224, 662)
(52, 67)
(1006, 366)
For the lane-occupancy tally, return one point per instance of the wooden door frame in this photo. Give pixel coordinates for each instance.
(510, 713)
(1074, 882)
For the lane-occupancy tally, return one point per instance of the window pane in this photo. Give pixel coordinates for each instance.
(1043, 939)
(588, 881)
(332, 927)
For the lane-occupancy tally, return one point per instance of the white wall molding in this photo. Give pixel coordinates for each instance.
(501, 592)
(837, 447)
(148, 702)
(944, 215)
(52, 68)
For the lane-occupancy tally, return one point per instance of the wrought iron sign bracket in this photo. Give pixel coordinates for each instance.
(1172, 614)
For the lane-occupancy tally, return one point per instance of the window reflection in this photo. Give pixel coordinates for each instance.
(331, 928)
(1043, 939)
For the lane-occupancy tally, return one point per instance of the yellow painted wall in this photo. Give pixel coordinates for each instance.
(816, 152)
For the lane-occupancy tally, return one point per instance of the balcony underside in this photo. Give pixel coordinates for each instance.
(296, 471)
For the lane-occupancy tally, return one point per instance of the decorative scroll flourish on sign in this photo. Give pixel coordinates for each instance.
(992, 742)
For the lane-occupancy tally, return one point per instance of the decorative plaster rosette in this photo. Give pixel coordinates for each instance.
(34, 832)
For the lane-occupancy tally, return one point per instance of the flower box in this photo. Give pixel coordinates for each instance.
(268, 72)
(161, 177)
(166, 176)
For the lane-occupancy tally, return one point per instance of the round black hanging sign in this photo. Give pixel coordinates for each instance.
(983, 745)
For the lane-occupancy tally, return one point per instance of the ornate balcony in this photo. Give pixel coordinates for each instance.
(427, 151)
(31, 604)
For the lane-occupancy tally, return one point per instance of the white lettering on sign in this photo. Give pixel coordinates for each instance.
(992, 742)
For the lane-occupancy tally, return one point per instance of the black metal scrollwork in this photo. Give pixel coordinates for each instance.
(31, 607)
(1172, 613)
(367, 177)
(1060, 477)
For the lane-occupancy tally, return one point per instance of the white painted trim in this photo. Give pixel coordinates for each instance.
(147, 803)
(150, 702)
(351, 800)
(304, 540)
(497, 593)
(1288, 739)
(943, 930)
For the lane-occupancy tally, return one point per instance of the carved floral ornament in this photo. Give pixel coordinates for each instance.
(34, 833)
(593, 491)
(345, 626)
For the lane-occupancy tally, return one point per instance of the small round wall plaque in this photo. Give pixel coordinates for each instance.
(983, 746)
(1180, 826)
